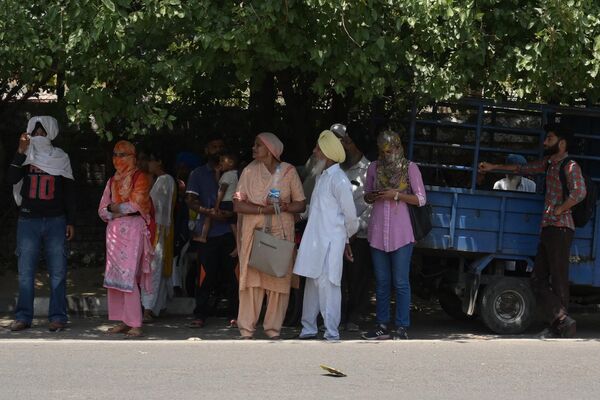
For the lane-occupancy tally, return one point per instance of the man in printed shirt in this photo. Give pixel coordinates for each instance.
(552, 259)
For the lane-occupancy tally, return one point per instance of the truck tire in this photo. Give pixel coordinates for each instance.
(507, 306)
(452, 305)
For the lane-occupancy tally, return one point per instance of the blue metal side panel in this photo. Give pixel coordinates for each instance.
(479, 201)
(521, 223)
(503, 223)
(582, 273)
(476, 241)
(479, 220)
(521, 244)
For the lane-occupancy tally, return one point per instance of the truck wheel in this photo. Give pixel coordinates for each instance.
(508, 306)
(452, 305)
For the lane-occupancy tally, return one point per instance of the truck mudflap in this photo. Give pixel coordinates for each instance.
(473, 280)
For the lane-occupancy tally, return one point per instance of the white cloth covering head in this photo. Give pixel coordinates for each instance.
(42, 154)
(49, 124)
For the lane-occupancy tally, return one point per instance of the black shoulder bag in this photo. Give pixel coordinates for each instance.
(420, 218)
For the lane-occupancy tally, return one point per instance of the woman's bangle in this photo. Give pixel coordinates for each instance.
(397, 196)
(260, 210)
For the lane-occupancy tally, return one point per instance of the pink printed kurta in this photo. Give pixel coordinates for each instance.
(128, 258)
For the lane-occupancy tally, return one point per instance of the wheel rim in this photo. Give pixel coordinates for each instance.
(509, 305)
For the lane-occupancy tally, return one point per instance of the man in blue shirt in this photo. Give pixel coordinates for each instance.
(215, 262)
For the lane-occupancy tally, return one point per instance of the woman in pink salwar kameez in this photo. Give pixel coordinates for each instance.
(127, 208)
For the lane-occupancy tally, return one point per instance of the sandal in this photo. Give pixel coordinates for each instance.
(148, 316)
(134, 333)
(121, 328)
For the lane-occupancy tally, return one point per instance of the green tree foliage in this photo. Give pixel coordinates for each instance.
(129, 65)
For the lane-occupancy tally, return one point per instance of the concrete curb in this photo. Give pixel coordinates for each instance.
(91, 306)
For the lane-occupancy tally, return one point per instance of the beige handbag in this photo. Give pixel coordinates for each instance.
(270, 254)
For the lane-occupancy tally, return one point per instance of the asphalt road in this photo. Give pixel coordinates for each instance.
(445, 359)
(226, 369)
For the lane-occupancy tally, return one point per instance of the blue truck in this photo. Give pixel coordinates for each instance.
(480, 253)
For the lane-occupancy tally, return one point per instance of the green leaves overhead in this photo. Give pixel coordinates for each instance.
(128, 64)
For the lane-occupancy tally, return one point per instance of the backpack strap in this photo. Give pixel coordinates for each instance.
(563, 177)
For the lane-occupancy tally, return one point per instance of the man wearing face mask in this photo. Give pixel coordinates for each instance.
(550, 277)
(515, 182)
(43, 188)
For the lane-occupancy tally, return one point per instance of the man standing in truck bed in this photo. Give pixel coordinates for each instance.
(550, 278)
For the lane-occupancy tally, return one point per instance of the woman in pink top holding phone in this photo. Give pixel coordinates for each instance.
(392, 182)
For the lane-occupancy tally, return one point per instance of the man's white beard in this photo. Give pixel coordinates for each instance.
(513, 182)
(317, 168)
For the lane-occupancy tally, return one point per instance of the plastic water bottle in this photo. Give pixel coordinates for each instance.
(274, 193)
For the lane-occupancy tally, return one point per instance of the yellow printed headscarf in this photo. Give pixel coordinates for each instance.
(392, 166)
(331, 146)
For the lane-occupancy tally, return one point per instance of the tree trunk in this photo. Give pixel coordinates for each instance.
(340, 107)
(262, 102)
(299, 131)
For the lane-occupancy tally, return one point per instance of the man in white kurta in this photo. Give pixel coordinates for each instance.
(331, 222)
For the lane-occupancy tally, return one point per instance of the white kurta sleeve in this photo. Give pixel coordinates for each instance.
(343, 193)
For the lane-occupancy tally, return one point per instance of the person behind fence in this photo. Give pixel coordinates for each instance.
(331, 223)
(513, 181)
(127, 208)
(516, 183)
(215, 264)
(45, 194)
(550, 277)
(185, 163)
(163, 194)
(266, 174)
(358, 273)
(393, 182)
(227, 172)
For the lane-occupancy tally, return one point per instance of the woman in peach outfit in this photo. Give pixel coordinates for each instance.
(266, 172)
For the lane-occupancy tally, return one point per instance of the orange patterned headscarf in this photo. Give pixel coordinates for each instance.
(124, 187)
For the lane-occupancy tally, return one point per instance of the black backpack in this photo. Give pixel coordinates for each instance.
(583, 211)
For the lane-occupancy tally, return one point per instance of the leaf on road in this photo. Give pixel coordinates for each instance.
(333, 371)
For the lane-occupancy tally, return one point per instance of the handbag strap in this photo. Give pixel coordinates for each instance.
(409, 188)
(269, 219)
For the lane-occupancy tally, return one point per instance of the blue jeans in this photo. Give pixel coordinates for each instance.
(32, 233)
(392, 267)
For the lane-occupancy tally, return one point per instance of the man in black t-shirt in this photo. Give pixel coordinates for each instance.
(44, 191)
